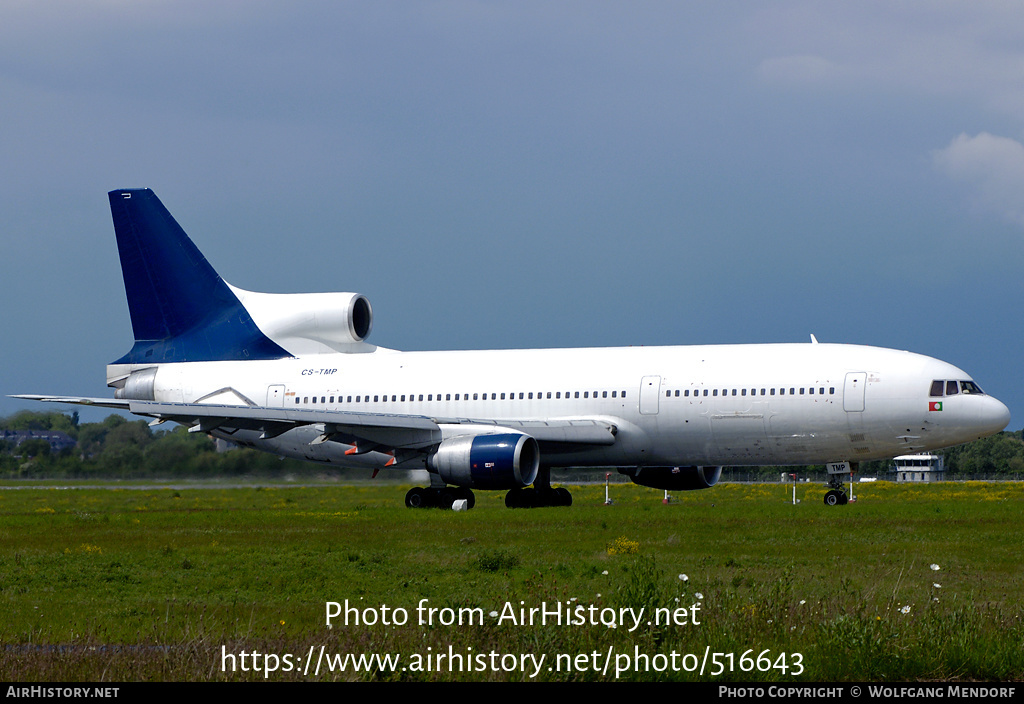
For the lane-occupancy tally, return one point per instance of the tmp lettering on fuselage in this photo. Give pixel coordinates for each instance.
(293, 374)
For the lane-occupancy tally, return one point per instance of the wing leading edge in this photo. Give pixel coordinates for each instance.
(381, 430)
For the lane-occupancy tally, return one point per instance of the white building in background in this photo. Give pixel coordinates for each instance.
(919, 468)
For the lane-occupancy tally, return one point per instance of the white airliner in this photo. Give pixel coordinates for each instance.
(293, 375)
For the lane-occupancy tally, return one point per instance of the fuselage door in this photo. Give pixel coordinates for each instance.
(650, 392)
(275, 396)
(853, 392)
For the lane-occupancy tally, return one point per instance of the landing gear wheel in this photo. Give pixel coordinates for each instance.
(467, 494)
(519, 498)
(531, 497)
(445, 499)
(416, 498)
(835, 497)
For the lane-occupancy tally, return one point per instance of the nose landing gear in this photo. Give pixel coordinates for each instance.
(836, 496)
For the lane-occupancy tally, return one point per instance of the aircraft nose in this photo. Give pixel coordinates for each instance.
(994, 416)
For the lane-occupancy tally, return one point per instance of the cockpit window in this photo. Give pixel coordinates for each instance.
(950, 387)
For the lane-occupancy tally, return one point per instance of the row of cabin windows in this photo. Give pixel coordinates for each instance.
(494, 396)
(793, 391)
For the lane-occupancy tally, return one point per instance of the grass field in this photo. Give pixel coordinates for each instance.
(907, 583)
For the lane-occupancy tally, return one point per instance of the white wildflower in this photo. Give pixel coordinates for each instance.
(683, 578)
(905, 609)
(935, 568)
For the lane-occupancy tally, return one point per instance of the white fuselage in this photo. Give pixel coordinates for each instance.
(687, 405)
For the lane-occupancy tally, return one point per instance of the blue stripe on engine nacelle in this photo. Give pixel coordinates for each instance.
(181, 309)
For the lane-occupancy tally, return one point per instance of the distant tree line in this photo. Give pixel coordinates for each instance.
(117, 448)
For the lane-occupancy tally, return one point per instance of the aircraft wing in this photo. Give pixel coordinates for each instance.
(77, 400)
(385, 430)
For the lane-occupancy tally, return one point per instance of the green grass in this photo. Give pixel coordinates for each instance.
(151, 583)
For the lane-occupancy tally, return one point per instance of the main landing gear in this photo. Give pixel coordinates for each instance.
(537, 498)
(540, 494)
(433, 497)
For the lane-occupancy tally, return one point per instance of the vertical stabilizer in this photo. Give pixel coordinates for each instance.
(181, 309)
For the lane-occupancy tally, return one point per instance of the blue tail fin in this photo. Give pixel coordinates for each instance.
(181, 309)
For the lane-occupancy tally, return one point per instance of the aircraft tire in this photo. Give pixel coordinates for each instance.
(446, 497)
(416, 498)
(834, 498)
(565, 498)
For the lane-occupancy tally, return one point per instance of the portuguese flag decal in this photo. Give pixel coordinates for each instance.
(935, 405)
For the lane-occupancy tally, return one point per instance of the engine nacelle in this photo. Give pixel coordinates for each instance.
(139, 385)
(504, 461)
(674, 478)
(311, 323)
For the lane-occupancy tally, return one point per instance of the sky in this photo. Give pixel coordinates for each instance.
(527, 174)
